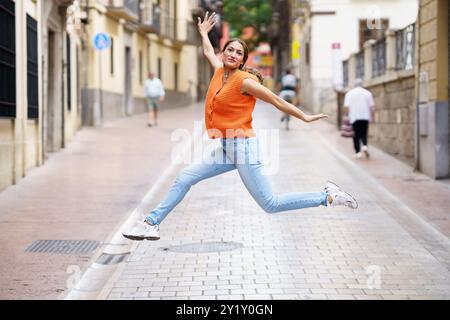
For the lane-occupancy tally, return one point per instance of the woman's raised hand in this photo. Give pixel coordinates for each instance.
(207, 24)
(311, 118)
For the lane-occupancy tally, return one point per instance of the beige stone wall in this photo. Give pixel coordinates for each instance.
(6, 153)
(32, 145)
(329, 104)
(395, 114)
(433, 46)
(433, 61)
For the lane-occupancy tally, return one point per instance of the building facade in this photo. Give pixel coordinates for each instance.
(52, 81)
(347, 23)
(280, 35)
(433, 134)
(39, 85)
(145, 35)
(407, 70)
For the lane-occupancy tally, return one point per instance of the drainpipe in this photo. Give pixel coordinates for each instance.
(417, 49)
(63, 86)
(85, 109)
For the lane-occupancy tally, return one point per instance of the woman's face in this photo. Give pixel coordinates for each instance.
(233, 55)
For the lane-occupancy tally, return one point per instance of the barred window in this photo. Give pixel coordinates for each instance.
(7, 59)
(32, 68)
(69, 75)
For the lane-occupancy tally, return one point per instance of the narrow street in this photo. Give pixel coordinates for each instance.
(383, 250)
(218, 244)
(81, 193)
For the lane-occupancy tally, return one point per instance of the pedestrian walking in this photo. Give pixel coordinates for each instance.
(154, 93)
(359, 107)
(230, 101)
(288, 90)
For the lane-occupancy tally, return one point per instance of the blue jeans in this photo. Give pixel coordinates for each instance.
(241, 154)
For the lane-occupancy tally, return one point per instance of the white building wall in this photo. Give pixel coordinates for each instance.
(343, 27)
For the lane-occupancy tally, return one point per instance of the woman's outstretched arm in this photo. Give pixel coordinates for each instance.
(257, 90)
(204, 28)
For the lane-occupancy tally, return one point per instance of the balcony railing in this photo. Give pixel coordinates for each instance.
(149, 19)
(345, 72)
(396, 51)
(379, 58)
(132, 5)
(360, 65)
(168, 27)
(405, 41)
(186, 32)
(192, 33)
(124, 9)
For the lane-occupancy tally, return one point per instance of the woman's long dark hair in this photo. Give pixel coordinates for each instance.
(242, 67)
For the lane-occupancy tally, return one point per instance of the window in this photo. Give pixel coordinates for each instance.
(78, 77)
(7, 59)
(175, 76)
(159, 69)
(368, 32)
(140, 68)
(307, 53)
(32, 68)
(111, 51)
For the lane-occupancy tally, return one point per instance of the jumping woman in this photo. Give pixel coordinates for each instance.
(229, 105)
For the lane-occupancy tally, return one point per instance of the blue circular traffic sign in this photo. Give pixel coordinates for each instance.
(102, 41)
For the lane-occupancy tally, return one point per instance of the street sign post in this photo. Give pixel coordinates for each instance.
(337, 70)
(101, 42)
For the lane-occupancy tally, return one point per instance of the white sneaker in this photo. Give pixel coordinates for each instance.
(365, 149)
(341, 198)
(329, 186)
(357, 155)
(142, 231)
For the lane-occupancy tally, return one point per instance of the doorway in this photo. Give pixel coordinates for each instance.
(51, 79)
(128, 94)
(448, 68)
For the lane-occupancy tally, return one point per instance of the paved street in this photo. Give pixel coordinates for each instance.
(85, 157)
(383, 250)
(80, 193)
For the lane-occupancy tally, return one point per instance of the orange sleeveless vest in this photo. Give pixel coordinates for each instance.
(228, 112)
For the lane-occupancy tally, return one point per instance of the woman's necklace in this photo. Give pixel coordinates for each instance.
(226, 75)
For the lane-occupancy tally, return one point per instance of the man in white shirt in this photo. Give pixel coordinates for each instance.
(359, 107)
(154, 92)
